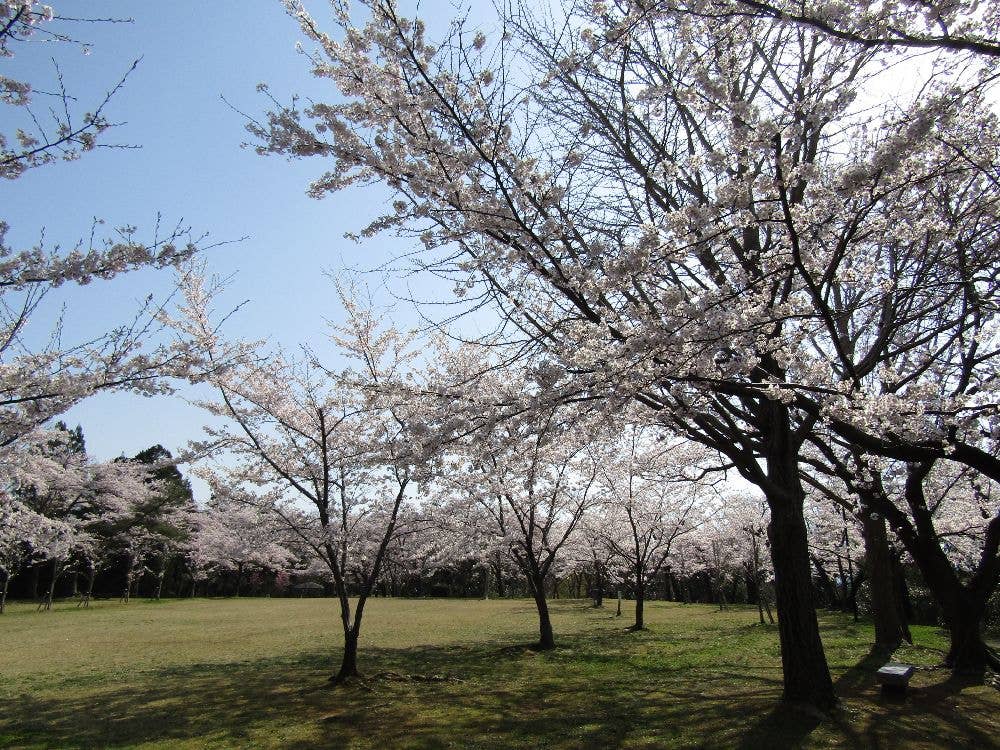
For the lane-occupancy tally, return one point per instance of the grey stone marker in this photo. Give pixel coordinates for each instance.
(895, 677)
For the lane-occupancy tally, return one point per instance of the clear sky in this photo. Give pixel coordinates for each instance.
(190, 168)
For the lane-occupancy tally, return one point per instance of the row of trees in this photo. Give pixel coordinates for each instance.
(700, 223)
(385, 469)
(716, 209)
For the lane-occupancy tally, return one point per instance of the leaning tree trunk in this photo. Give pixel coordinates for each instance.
(546, 638)
(806, 674)
(962, 605)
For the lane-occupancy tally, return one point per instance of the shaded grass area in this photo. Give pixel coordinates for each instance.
(252, 673)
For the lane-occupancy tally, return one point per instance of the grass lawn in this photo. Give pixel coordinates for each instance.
(251, 673)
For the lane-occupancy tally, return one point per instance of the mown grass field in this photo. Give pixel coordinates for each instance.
(252, 673)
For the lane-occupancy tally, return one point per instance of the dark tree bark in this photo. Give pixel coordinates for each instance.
(56, 570)
(887, 613)
(962, 605)
(498, 580)
(832, 598)
(803, 660)
(546, 638)
(640, 600)
(3, 593)
(349, 662)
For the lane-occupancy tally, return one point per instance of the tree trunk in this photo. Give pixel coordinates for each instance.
(598, 587)
(640, 600)
(159, 578)
(349, 664)
(56, 570)
(968, 652)
(546, 639)
(90, 584)
(3, 592)
(498, 576)
(806, 674)
(962, 605)
(887, 612)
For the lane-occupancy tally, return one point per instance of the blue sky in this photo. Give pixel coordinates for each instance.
(190, 168)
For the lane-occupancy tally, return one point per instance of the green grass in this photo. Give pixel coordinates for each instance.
(252, 673)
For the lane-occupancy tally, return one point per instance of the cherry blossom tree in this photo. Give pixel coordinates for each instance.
(327, 453)
(650, 496)
(699, 211)
(527, 483)
(947, 519)
(69, 497)
(39, 381)
(953, 26)
(240, 538)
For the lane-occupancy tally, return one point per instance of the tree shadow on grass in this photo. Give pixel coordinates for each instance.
(925, 715)
(591, 692)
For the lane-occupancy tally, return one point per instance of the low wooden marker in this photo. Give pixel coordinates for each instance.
(895, 677)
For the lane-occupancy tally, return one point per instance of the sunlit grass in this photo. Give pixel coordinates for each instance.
(450, 673)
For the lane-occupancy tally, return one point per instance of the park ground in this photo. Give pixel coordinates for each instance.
(242, 673)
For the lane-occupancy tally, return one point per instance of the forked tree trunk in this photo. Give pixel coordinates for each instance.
(349, 662)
